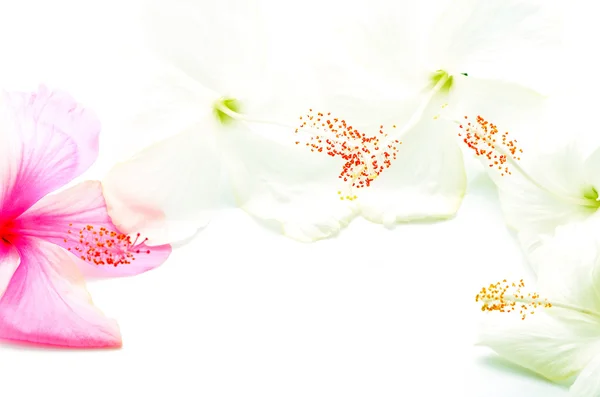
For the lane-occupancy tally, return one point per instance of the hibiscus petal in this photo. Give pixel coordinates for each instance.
(569, 254)
(168, 190)
(48, 140)
(61, 217)
(9, 261)
(555, 346)
(46, 302)
(363, 47)
(588, 381)
(509, 40)
(427, 181)
(209, 41)
(277, 181)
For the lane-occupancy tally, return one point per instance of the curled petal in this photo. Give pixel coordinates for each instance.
(46, 302)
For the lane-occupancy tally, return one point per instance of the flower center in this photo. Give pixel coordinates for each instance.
(226, 109)
(101, 246)
(7, 231)
(365, 157)
(591, 193)
(508, 297)
(441, 76)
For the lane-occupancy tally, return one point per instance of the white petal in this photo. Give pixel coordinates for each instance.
(568, 261)
(427, 181)
(221, 44)
(509, 40)
(587, 383)
(550, 345)
(167, 191)
(278, 181)
(362, 50)
(163, 102)
(528, 207)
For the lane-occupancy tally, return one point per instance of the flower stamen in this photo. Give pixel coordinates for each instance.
(366, 157)
(106, 247)
(505, 297)
(496, 297)
(485, 140)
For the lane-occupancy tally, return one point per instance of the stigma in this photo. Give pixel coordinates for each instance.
(486, 141)
(365, 156)
(101, 246)
(508, 297)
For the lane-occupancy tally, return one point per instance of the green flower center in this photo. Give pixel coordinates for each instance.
(225, 109)
(591, 193)
(442, 75)
(439, 76)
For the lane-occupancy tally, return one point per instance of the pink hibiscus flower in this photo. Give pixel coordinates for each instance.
(49, 242)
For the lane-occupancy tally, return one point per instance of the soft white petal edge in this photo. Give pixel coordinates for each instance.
(169, 190)
(277, 181)
(552, 346)
(587, 383)
(485, 38)
(426, 182)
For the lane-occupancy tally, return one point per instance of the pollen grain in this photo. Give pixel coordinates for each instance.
(508, 297)
(366, 157)
(486, 141)
(102, 246)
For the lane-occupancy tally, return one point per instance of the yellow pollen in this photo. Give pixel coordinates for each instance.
(507, 297)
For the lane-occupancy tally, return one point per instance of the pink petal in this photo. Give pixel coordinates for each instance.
(47, 141)
(46, 302)
(75, 210)
(9, 261)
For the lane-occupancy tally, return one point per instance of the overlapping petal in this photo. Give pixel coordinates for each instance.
(61, 219)
(169, 190)
(46, 302)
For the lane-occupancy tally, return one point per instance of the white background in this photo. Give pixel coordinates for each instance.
(243, 311)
